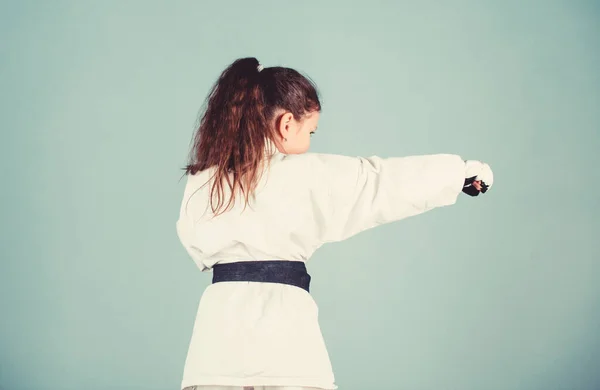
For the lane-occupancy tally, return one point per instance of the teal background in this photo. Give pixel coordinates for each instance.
(98, 105)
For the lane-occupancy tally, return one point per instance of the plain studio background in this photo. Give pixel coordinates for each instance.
(98, 106)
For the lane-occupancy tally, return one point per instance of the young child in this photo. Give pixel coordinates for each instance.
(256, 207)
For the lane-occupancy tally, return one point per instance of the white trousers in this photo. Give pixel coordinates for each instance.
(250, 388)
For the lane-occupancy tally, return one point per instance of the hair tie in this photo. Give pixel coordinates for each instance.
(260, 67)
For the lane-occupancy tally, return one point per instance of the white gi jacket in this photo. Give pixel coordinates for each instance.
(266, 334)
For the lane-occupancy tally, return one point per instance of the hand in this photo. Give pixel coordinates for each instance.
(479, 178)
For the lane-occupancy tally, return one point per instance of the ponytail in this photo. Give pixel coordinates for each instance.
(235, 126)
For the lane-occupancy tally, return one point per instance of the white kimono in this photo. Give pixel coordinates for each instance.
(267, 334)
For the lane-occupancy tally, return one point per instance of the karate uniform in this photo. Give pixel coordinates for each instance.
(267, 334)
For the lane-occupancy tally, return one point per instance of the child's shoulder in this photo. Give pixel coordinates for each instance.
(320, 158)
(321, 166)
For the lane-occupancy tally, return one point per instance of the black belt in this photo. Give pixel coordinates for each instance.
(271, 271)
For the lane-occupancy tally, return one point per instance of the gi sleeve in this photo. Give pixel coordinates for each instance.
(362, 193)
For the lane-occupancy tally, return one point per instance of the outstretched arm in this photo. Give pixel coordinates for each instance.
(362, 193)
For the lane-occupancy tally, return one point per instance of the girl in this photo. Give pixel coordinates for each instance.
(255, 208)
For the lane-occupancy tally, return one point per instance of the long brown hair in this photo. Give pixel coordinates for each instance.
(238, 121)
